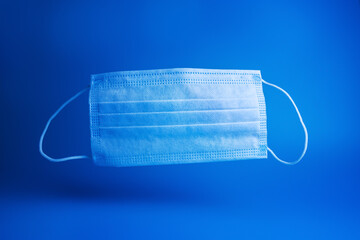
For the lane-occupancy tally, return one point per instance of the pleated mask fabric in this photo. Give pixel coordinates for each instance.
(177, 116)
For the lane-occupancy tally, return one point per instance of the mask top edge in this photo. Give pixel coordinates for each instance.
(174, 71)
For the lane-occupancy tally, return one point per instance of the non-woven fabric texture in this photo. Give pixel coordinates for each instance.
(177, 116)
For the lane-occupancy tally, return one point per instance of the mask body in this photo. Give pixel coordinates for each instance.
(177, 116)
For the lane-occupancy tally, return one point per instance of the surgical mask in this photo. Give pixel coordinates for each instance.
(176, 116)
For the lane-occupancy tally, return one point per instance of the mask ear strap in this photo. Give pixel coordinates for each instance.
(302, 123)
(48, 124)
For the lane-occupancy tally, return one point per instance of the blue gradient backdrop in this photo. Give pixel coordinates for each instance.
(48, 49)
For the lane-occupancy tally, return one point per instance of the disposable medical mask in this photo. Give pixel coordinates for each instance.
(176, 116)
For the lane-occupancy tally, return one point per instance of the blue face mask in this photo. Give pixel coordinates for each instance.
(176, 116)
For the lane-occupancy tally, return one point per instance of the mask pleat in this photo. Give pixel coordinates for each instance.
(176, 105)
(142, 140)
(178, 118)
(174, 92)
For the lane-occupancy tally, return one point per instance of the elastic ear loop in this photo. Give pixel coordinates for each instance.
(48, 124)
(302, 123)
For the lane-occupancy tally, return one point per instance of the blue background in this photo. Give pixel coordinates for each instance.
(48, 49)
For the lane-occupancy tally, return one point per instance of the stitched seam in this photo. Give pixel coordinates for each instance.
(262, 115)
(175, 100)
(152, 82)
(117, 75)
(94, 123)
(183, 157)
